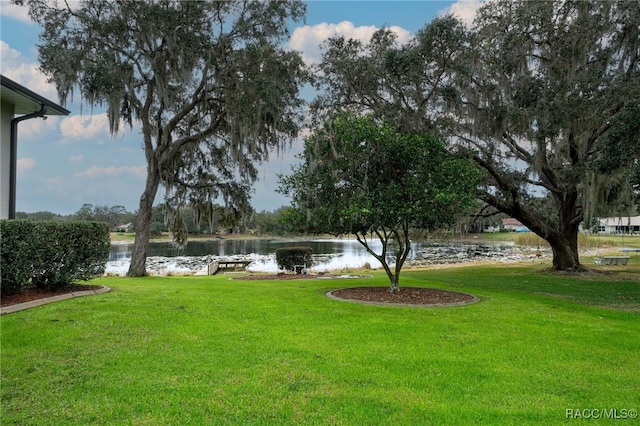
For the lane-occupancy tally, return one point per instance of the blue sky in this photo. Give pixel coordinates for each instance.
(64, 162)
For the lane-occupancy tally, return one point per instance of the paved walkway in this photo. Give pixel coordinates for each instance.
(32, 304)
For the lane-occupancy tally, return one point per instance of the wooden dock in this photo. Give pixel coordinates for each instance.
(219, 265)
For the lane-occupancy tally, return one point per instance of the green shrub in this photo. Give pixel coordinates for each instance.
(71, 251)
(17, 252)
(290, 257)
(51, 254)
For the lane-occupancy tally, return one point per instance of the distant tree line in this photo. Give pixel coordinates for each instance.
(256, 223)
(114, 216)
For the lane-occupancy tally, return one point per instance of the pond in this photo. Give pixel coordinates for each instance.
(224, 247)
(328, 254)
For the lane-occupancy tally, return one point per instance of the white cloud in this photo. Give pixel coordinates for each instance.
(19, 69)
(25, 164)
(308, 39)
(139, 172)
(94, 127)
(82, 127)
(56, 182)
(8, 53)
(76, 159)
(36, 128)
(465, 10)
(19, 13)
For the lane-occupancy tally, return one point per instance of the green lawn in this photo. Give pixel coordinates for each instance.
(209, 350)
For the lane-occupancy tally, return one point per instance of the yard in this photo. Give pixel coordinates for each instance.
(210, 350)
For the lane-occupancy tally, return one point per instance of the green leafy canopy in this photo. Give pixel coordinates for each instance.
(360, 176)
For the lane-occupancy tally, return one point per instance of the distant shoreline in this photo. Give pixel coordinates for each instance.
(585, 242)
(120, 237)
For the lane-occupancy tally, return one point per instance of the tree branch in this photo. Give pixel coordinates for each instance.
(515, 148)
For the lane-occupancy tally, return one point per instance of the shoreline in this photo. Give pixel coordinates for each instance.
(197, 265)
(128, 238)
(506, 251)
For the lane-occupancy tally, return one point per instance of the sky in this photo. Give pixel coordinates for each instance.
(65, 162)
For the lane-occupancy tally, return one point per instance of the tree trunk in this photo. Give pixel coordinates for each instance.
(143, 230)
(563, 240)
(394, 279)
(564, 259)
(565, 251)
(395, 284)
(382, 258)
(565, 245)
(404, 247)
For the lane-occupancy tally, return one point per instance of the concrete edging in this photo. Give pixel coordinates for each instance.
(39, 302)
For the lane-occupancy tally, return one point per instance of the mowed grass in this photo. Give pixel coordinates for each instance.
(209, 350)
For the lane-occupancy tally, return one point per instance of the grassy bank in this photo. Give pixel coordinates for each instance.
(585, 241)
(209, 350)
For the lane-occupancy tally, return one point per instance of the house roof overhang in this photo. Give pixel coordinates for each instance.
(27, 101)
(27, 104)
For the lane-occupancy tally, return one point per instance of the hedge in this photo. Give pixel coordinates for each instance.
(16, 250)
(290, 257)
(51, 254)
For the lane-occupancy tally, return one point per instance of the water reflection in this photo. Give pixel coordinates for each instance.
(242, 247)
(335, 254)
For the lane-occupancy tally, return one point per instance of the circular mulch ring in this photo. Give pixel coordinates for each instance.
(407, 296)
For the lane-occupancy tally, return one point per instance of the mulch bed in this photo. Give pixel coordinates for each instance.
(417, 296)
(33, 293)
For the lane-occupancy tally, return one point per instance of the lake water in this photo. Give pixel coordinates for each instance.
(328, 254)
(240, 247)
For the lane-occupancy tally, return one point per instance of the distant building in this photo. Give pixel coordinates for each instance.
(16, 99)
(127, 227)
(491, 228)
(619, 225)
(513, 225)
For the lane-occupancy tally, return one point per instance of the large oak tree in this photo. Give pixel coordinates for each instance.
(207, 82)
(551, 107)
(543, 95)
